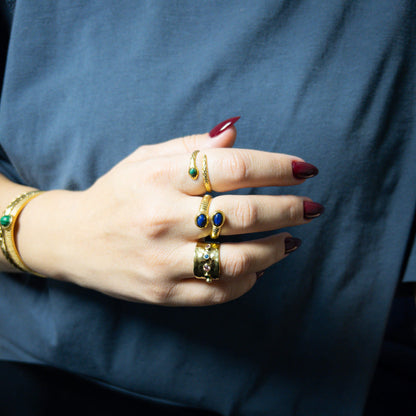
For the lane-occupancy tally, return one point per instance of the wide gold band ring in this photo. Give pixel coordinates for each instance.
(207, 261)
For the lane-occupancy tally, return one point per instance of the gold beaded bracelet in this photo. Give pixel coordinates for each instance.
(7, 231)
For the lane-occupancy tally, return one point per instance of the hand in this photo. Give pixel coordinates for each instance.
(132, 234)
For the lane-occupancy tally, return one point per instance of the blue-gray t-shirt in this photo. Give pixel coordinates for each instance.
(330, 81)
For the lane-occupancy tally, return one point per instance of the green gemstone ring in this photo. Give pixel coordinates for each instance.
(193, 170)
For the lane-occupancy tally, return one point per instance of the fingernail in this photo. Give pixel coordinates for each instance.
(303, 170)
(312, 209)
(220, 128)
(260, 274)
(291, 244)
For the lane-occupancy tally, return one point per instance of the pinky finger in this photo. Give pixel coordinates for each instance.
(195, 292)
(248, 257)
(240, 263)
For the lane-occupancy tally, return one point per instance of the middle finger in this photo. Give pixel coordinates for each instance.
(251, 213)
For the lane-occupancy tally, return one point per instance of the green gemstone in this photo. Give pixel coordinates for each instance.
(6, 220)
(193, 172)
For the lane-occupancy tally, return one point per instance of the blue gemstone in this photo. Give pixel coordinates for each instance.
(217, 219)
(201, 220)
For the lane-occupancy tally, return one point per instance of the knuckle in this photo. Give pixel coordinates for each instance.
(157, 173)
(295, 211)
(246, 212)
(237, 164)
(239, 265)
(279, 168)
(155, 226)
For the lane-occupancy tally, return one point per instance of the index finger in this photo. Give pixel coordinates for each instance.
(231, 169)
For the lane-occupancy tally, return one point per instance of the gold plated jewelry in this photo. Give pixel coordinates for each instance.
(207, 261)
(7, 231)
(217, 221)
(193, 171)
(202, 218)
(205, 175)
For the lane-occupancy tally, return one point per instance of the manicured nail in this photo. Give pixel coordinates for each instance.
(303, 170)
(220, 128)
(260, 274)
(312, 209)
(291, 244)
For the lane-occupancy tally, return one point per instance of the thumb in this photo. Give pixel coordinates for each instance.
(222, 135)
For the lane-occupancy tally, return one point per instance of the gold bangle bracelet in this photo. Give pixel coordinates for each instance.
(7, 234)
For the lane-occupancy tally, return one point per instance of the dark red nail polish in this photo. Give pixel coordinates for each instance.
(303, 170)
(260, 274)
(291, 244)
(220, 128)
(312, 209)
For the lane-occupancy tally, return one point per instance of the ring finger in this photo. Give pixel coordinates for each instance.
(237, 259)
(239, 263)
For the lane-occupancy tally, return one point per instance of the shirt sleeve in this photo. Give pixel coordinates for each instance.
(409, 275)
(6, 16)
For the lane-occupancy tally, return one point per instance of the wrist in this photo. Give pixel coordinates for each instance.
(43, 231)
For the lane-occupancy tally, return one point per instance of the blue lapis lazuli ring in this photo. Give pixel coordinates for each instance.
(217, 220)
(202, 218)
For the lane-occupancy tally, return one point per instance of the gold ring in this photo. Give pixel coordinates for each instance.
(207, 261)
(217, 221)
(202, 218)
(193, 171)
(205, 175)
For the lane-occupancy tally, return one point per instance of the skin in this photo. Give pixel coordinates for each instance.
(131, 235)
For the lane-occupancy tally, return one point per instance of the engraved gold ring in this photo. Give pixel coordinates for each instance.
(207, 261)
